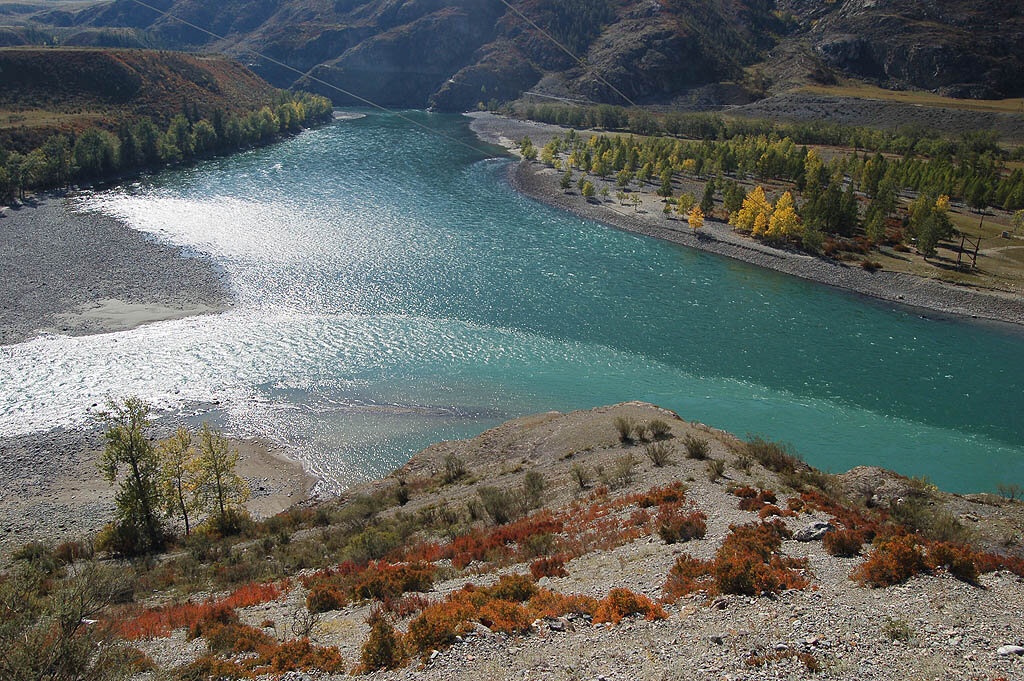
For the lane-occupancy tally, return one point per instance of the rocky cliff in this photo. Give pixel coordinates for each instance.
(453, 54)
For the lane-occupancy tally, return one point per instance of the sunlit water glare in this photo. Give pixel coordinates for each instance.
(392, 290)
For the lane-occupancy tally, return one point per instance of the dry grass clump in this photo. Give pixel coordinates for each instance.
(775, 456)
(550, 566)
(625, 426)
(810, 662)
(659, 429)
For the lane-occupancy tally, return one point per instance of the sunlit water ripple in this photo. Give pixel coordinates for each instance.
(392, 290)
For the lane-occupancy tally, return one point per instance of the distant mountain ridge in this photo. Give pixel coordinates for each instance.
(452, 54)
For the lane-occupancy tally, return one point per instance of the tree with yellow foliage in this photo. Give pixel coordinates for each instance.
(755, 205)
(760, 225)
(784, 222)
(942, 203)
(220, 488)
(696, 219)
(179, 475)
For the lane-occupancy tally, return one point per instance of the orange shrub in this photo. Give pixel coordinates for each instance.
(958, 559)
(843, 542)
(405, 606)
(768, 511)
(552, 566)
(383, 648)
(505, 616)
(747, 563)
(301, 655)
(687, 576)
(324, 597)
(512, 588)
(894, 560)
(675, 525)
(439, 624)
(382, 580)
(621, 603)
(795, 504)
(547, 603)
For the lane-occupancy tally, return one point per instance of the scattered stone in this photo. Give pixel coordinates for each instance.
(813, 532)
(1006, 651)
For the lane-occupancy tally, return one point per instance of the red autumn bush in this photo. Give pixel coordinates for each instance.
(658, 496)
(407, 605)
(894, 560)
(747, 563)
(675, 524)
(382, 580)
(795, 504)
(621, 603)
(843, 542)
(552, 566)
(504, 616)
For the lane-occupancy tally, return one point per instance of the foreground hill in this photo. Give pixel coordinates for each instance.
(455, 53)
(47, 90)
(620, 542)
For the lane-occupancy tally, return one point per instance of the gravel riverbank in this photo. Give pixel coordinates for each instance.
(77, 273)
(541, 183)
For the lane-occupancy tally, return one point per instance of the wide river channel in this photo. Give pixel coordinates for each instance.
(393, 290)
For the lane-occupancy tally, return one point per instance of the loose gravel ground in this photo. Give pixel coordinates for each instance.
(955, 629)
(76, 273)
(541, 183)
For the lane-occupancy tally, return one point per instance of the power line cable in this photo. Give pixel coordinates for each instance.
(364, 100)
(565, 49)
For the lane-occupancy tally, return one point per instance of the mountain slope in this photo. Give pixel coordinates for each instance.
(59, 90)
(455, 53)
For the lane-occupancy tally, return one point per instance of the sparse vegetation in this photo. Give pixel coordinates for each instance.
(660, 453)
(715, 469)
(696, 447)
(625, 426)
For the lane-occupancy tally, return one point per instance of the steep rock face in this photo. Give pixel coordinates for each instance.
(973, 49)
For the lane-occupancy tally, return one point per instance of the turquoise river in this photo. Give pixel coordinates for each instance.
(393, 290)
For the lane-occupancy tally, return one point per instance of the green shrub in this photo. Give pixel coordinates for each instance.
(383, 648)
(774, 456)
(501, 504)
(622, 474)
(640, 431)
(660, 453)
(696, 447)
(625, 426)
(659, 429)
(454, 469)
(580, 477)
(533, 489)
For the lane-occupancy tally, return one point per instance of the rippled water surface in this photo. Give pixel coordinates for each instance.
(393, 291)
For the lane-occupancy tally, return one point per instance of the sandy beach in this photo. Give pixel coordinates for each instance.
(76, 273)
(541, 183)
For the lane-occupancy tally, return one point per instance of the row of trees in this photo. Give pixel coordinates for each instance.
(97, 153)
(830, 204)
(185, 476)
(914, 140)
(980, 179)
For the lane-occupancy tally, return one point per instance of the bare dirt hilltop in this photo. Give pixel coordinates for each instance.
(646, 547)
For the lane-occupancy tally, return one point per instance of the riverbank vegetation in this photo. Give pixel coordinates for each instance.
(97, 154)
(789, 185)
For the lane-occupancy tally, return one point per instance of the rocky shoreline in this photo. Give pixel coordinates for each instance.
(541, 183)
(76, 273)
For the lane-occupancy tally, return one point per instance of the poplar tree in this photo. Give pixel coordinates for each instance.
(128, 450)
(221, 490)
(179, 476)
